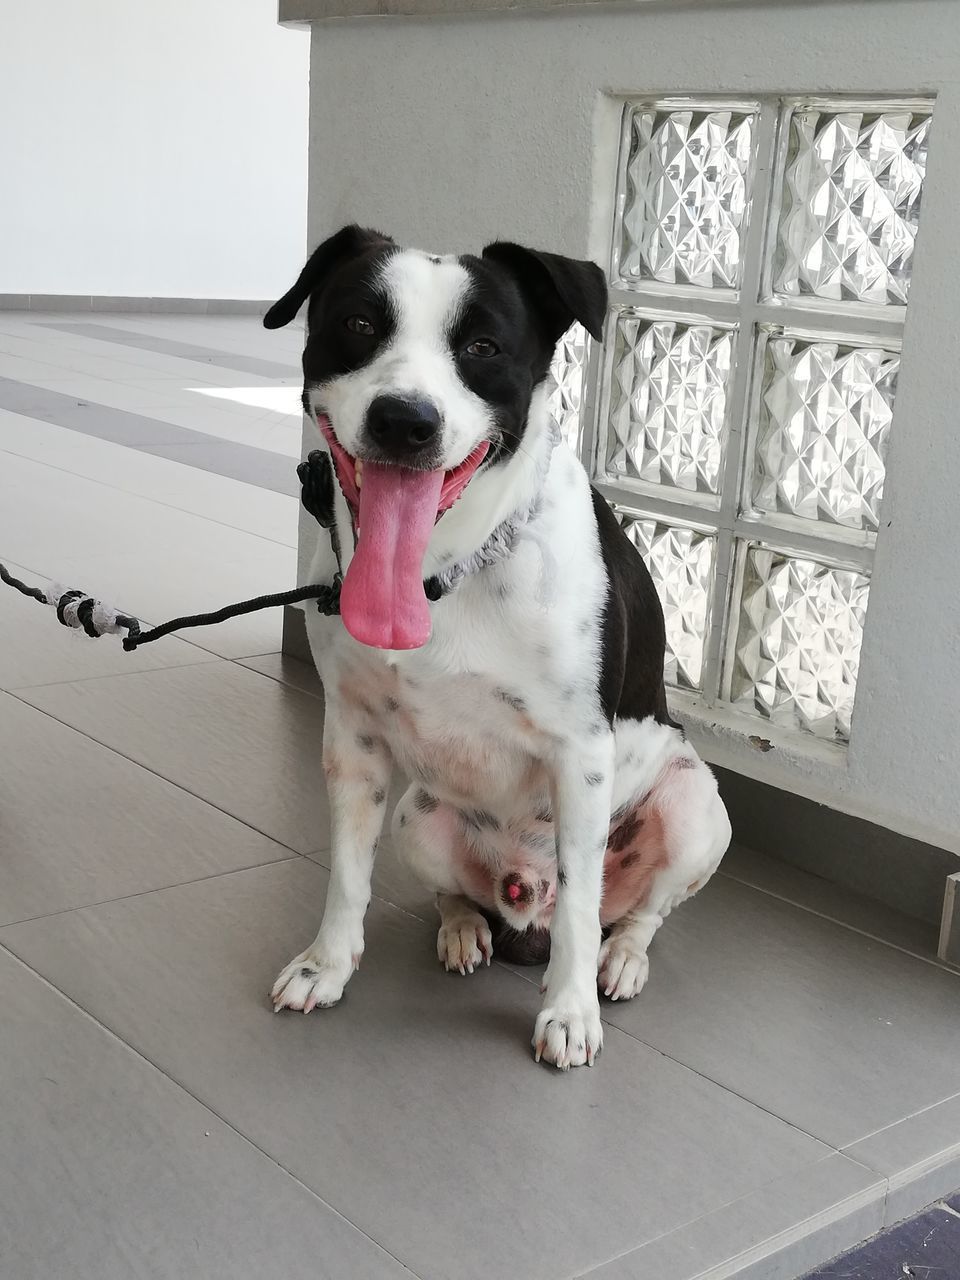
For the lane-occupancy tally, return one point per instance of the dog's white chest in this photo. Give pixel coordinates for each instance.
(465, 736)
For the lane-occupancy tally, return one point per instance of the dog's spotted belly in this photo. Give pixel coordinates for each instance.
(466, 740)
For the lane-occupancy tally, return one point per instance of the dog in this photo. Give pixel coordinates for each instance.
(550, 791)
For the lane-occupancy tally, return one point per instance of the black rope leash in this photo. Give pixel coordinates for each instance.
(77, 609)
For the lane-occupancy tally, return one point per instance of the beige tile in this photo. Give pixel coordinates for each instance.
(36, 649)
(110, 1171)
(280, 666)
(81, 824)
(148, 559)
(414, 1107)
(249, 745)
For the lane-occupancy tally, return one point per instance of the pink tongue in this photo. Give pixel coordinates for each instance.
(382, 602)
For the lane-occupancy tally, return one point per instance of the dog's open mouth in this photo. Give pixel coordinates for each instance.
(382, 602)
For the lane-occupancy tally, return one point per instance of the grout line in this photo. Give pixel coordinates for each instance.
(843, 924)
(950, 1097)
(142, 893)
(156, 502)
(178, 1084)
(146, 768)
(857, 1199)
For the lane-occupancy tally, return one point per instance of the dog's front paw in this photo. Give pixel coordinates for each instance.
(464, 942)
(568, 1032)
(622, 969)
(312, 981)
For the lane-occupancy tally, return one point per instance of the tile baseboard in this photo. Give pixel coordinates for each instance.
(82, 302)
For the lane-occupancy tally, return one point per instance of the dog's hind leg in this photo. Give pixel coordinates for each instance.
(358, 767)
(428, 838)
(661, 853)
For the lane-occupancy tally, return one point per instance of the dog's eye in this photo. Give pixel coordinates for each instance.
(483, 348)
(360, 324)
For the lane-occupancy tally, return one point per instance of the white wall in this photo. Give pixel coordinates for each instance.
(497, 124)
(151, 148)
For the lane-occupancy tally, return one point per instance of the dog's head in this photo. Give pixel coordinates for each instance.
(420, 371)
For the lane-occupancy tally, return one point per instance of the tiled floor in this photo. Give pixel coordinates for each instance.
(788, 1083)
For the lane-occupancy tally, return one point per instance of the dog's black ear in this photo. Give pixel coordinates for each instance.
(348, 243)
(560, 289)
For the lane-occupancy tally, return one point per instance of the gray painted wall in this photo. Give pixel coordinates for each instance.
(448, 132)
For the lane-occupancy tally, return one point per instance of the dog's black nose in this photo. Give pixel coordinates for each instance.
(402, 428)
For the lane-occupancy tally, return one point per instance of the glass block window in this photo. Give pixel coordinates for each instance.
(681, 563)
(798, 640)
(739, 415)
(686, 190)
(668, 401)
(565, 383)
(822, 424)
(850, 204)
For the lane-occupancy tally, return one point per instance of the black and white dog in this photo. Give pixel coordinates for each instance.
(524, 701)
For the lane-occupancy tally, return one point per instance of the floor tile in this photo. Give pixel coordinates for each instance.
(249, 745)
(148, 559)
(243, 462)
(255, 466)
(831, 1030)
(291, 671)
(834, 901)
(80, 824)
(246, 507)
(201, 354)
(771, 1235)
(36, 649)
(920, 1157)
(119, 1174)
(415, 1102)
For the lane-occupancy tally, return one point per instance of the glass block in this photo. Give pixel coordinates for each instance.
(565, 383)
(686, 190)
(797, 646)
(824, 413)
(668, 402)
(681, 563)
(851, 204)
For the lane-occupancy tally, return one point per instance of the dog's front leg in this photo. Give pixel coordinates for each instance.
(357, 767)
(568, 1031)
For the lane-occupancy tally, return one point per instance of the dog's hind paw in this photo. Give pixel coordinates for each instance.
(464, 943)
(311, 982)
(622, 968)
(568, 1033)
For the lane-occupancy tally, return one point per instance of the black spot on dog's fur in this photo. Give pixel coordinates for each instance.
(543, 888)
(561, 876)
(379, 795)
(624, 833)
(366, 742)
(425, 802)
(403, 819)
(480, 819)
(593, 779)
(391, 704)
(544, 815)
(511, 700)
(307, 972)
